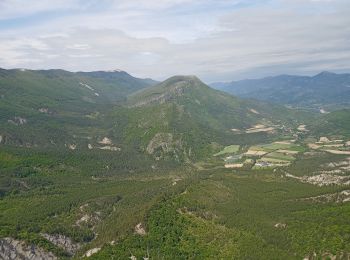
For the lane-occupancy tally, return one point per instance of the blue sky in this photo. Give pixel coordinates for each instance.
(216, 40)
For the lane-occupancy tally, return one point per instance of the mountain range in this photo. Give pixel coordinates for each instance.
(104, 165)
(179, 118)
(325, 91)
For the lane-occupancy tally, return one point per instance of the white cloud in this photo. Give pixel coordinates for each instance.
(78, 46)
(217, 40)
(19, 8)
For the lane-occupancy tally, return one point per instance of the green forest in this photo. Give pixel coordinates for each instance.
(174, 170)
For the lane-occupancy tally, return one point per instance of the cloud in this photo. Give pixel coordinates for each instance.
(216, 40)
(78, 46)
(19, 8)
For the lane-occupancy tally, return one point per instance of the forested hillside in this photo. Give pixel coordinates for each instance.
(102, 165)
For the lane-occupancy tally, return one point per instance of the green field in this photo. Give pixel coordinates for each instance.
(274, 161)
(280, 156)
(228, 150)
(276, 146)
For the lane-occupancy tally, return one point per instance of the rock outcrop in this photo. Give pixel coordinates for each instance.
(12, 249)
(17, 121)
(63, 242)
(140, 230)
(92, 251)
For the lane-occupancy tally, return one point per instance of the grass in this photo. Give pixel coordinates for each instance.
(279, 156)
(276, 146)
(228, 150)
(274, 160)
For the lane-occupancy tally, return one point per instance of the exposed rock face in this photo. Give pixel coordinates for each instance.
(108, 145)
(72, 146)
(302, 128)
(280, 225)
(87, 86)
(165, 143)
(343, 164)
(332, 173)
(111, 148)
(18, 121)
(43, 110)
(140, 230)
(338, 197)
(324, 139)
(92, 251)
(176, 90)
(160, 140)
(323, 179)
(64, 242)
(327, 255)
(11, 249)
(105, 140)
(87, 217)
(254, 111)
(84, 219)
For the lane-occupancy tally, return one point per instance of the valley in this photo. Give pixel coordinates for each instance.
(170, 170)
(175, 130)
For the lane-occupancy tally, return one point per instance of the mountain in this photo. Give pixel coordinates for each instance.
(324, 91)
(120, 83)
(70, 87)
(44, 107)
(94, 167)
(184, 116)
(180, 119)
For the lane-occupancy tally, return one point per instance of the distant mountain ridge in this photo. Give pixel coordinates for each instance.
(326, 90)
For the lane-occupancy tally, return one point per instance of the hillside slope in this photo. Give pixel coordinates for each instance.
(184, 115)
(138, 179)
(334, 123)
(40, 108)
(180, 119)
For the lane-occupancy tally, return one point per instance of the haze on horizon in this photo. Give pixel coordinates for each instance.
(217, 40)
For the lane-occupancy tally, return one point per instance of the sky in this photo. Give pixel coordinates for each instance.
(217, 40)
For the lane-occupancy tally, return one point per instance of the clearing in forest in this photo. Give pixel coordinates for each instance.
(228, 149)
